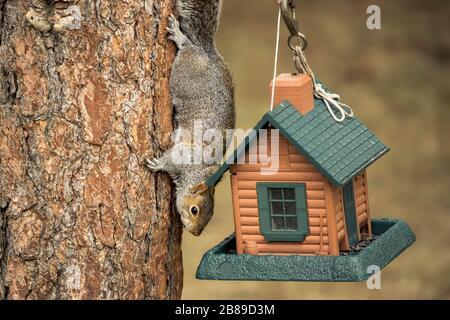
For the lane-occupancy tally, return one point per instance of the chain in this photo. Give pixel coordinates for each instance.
(338, 110)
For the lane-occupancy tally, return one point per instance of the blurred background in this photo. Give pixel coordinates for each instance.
(397, 81)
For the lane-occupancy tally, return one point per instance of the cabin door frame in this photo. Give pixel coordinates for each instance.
(351, 222)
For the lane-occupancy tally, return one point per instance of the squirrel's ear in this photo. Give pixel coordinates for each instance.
(199, 188)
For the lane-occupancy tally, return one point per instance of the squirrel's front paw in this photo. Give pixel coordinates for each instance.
(175, 33)
(155, 165)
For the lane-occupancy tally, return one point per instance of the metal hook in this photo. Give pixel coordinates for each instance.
(289, 17)
(287, 10)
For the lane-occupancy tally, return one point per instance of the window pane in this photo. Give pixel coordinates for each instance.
(290, 208)
(277, 223)
(276, 207)
(275, 193)
(291, 223)
(289, 194)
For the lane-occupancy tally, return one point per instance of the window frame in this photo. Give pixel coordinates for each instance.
(265, 217)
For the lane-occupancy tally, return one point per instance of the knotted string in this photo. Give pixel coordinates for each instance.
(337, 109)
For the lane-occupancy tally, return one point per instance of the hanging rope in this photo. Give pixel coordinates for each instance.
(338, 110)
(277, 46)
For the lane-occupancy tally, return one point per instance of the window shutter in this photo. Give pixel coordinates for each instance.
(263, 208)
(302, 212)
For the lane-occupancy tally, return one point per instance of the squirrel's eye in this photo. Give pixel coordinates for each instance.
(194, 210)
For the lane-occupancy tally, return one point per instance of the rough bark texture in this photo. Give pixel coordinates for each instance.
(83, 101)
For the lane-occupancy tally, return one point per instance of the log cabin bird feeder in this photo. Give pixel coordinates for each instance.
(309, 219)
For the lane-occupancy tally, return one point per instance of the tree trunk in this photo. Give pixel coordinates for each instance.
(84, 100)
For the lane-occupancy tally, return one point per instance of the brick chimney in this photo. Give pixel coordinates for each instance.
(295, 88)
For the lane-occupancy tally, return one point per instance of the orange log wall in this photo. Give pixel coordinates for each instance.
(327, 228)
(362, 201)
(293, 168)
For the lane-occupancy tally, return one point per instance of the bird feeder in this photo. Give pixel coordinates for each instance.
(309, 219)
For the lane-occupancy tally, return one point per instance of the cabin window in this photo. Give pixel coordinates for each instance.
(282, 211)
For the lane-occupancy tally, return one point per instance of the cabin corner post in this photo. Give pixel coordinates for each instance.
(236, 213)
(331, 219)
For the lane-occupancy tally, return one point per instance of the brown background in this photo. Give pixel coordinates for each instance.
(396, 81)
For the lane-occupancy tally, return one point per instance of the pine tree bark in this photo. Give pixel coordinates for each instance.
(84, 100)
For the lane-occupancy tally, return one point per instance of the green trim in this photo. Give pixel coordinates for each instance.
(350, 213)
(265, 217)
(222, 262)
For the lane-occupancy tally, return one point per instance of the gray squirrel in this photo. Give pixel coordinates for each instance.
(202, 90)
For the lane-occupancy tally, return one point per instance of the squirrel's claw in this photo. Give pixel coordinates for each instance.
(173, 23)
(175, 34)
(173, 26)
(155, 165)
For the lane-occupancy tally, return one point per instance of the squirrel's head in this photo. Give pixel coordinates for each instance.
(196, 207)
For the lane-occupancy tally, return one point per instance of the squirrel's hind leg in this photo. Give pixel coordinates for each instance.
(175, 33)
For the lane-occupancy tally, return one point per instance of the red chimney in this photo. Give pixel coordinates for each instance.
(295, 88)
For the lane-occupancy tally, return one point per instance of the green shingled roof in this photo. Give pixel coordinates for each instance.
(340, 150)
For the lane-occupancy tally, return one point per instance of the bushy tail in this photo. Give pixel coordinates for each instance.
(199, 20)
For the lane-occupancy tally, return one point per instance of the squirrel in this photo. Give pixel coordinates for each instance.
(202, 90)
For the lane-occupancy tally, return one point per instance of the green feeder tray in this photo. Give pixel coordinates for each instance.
(222, 262)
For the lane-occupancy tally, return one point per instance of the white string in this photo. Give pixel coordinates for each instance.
(332, 101)
(277, 46)
(337, 109)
